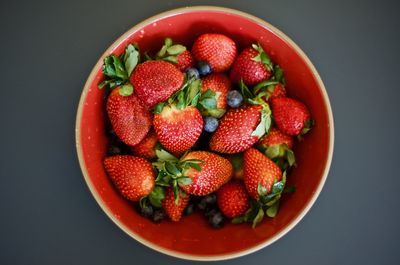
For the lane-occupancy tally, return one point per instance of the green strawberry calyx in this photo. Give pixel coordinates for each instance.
(262, 57)
(281, 154)
(188, 95)
(267, 203)
(171, 171)
(119, 68)
(208, 104)
(169, 51)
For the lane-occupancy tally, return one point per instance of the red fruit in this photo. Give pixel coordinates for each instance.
(215, 171)
(259, 169)
(129, 117)
(178, 129)
(156, 81)
(247, 68)
(146, 147)
(185, 61)
(277, 92)
(291, 116)
(133, 176)
(232, 199)
(216, 49)
(173, 210)
(218, 83)
(234, 133)
(276, 137)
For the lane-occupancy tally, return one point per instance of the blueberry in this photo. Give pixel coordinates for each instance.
(234, 98)
(210, 199)
(216, 220)
(192, 73)
(114, 150)
(147, 211)
(189, 209)
(158, 215)
(210, 124)
(204, 68)
(202, 205)
(210, 212)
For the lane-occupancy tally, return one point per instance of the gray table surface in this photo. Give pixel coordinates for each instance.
(48, 49)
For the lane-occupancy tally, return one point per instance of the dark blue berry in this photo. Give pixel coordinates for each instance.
(158, 215)
(202, 205)
(189, 209)
(147, 211)
(210, 199)
(216, 220)
(114, 150)
(204, 68)
(210, 124)
(192, 73)
(210, 212)
(234, 98)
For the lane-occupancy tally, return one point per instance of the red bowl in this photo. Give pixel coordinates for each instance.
(192, 238)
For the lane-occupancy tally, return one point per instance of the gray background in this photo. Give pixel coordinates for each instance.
(47, 51)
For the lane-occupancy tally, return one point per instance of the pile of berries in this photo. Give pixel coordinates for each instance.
(208, 130)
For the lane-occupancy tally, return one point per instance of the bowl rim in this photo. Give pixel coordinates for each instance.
(150, 244)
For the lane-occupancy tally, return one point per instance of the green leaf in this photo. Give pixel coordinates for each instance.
(263, 84)
(261, 190)
(156, 196)
(290, 157)
(238, 220)
(171, 59)
(163, 50)
(172, 169)
(266, 61)
(209, 103)
(290, 189)
(126, 90)
(159, 108)
(216, 113)
(194, 165)
(111, 83)
(247, 94)
(307, 126)
(165, 156)
(131, 58)
(273, 151)
(273, 210)
(279, 75)
(259, 217)
(176, 49)
(193, 92)
(185, 181)
(263, 126)
(176, 190)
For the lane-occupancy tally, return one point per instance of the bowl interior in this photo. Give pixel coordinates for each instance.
(192, 237)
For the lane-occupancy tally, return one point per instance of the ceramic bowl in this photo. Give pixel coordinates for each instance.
(192, 238)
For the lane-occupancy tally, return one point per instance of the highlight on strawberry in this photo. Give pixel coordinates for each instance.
(202, 129)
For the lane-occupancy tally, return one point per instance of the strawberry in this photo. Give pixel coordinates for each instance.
(146, 147)
(239, 129)
(291, 116)
(129, 117)
(276, 137)
(174, 208)
(259, 170)
(156, 81)
(133, 176)
(252, 66)
(215, 171)
(237, 166)
(176, 54)
(178, 129)
(220, 84)
(277, 91)
(216, 49)
(232, 199)
(185, 60)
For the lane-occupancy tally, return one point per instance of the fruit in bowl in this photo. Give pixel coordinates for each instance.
(200, 129)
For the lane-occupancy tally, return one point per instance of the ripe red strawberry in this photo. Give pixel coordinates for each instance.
(172, 209)
(251, 67)
(133, 176)
(178, 129)
(291, 116)
(237, 130)
(259, 169)
(218, 83)
(277, 91)
(156, 81)
(216, 49)
(146, 147)
(215, 171)
(129, 118)
(185, 60)
(232, 199)
(276, 137)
